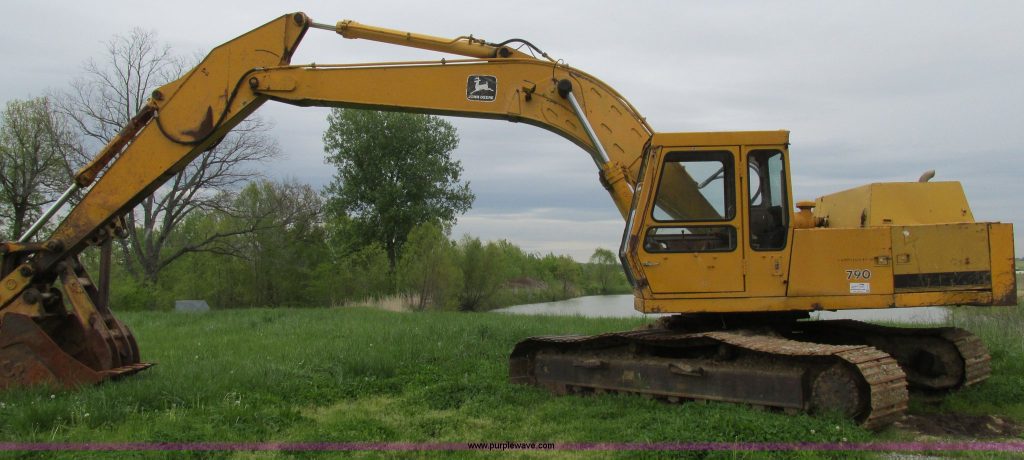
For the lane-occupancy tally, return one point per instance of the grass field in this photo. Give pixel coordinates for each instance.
(368, 375)
(1002, 329)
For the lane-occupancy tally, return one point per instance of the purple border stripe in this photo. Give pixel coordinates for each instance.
(1008, 446)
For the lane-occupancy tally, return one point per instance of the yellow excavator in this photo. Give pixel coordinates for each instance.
(712, 236)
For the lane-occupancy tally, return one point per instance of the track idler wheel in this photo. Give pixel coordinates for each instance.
(836, 390)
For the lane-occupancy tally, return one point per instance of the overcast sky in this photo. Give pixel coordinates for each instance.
(872, 91)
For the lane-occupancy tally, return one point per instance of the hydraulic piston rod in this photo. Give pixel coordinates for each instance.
(43, 219)
(465, 45)
(601, 155)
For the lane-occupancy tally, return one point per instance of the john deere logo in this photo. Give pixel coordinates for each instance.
(481, 88)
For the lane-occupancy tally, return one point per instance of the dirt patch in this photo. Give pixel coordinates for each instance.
(960, 425)
(396, 303)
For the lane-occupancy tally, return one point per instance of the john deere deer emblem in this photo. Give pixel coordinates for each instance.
(481, 88)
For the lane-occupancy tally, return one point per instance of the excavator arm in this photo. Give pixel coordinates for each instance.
(192, 114)
(188, 116)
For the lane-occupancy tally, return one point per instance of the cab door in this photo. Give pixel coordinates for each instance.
(767, 216)
(688, 226)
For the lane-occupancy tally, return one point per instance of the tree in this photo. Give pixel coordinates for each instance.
(394, 172)
(270, 260)
(566, 271)
(278, 235)
(355, 276)
(34, 142)
(604, 270)
(428, 270)
(484, 269)
(109, 94)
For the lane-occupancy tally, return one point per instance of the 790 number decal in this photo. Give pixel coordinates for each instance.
(858, 274)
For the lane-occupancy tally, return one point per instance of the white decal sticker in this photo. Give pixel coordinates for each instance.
(481, 88)
(860, 288)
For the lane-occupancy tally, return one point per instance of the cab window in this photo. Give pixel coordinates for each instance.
(769, 212)
(695, 187)
(710, 238)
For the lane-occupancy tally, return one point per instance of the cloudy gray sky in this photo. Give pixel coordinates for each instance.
(872, 91)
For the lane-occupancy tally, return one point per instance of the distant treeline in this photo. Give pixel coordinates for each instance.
(213, 231)
(308, 263)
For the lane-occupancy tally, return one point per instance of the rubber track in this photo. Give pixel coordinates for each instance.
(886, 381)
(977, 361)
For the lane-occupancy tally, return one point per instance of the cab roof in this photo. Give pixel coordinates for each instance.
(721, 138)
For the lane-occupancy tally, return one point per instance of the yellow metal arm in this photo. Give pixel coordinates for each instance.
(526, 91)
(464, 46)
(187, 116)
(183, 119)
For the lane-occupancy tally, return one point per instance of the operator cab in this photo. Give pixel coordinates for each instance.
(711, 211)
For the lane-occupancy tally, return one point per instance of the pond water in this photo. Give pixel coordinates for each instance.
(616, 306)
(621, 306)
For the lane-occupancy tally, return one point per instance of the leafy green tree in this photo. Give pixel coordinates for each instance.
(355, 276)
(428, 269)
(33, 146)
(565, 271)
(279, 237)
(394, 172)
(516, 260)
(484, 269)
(604, 271)
(261, 249)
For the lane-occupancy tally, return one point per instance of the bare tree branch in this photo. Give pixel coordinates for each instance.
(34, 142)
(112, 89)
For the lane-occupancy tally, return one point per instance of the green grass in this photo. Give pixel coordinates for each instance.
(367, 375)
(1002, 330)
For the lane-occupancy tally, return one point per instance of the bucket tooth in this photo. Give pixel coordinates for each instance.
(125, 371)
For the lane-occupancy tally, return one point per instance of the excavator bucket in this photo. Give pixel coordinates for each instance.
(65, 347)
(29, 356)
